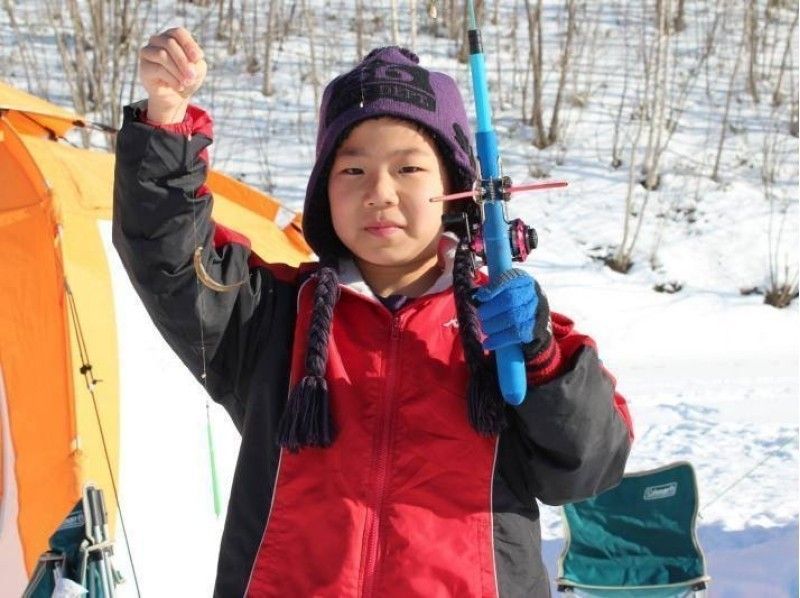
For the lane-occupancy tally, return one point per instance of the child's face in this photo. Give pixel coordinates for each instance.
(382, 177)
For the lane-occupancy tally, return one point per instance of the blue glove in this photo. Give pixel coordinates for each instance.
(507, 310)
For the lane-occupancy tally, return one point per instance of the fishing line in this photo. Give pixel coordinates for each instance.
(746, 475)
(200, 281)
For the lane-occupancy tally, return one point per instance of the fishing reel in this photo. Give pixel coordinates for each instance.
(468, 223)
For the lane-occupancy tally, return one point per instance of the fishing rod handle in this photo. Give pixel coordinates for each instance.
(510, 360)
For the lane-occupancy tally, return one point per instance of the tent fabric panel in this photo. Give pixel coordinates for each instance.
(268, 241)
(87, 274)
(87, 174)
(35, 363)
(12, 564)
(243, 195)
(82, 182)
(23, 184)
(31, 114)
(252, 213)
(294, 232)
(40, 125)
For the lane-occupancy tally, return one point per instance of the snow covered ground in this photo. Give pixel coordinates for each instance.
(701, 384)
(711, 375)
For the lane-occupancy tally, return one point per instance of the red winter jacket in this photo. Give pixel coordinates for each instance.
(409, 500)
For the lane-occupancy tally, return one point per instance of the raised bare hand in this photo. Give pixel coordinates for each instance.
(171, 69)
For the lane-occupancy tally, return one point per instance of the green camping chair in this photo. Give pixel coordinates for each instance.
(79, 559)
(636, 540)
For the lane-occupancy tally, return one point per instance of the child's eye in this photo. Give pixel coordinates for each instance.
(352, 171)
(410, 169)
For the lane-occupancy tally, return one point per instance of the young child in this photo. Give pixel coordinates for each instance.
(377, 457)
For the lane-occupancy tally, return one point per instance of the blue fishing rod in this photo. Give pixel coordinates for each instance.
(495, 239)
(510, 360)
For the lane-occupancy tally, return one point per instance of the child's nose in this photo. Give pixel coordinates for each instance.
(380, 191)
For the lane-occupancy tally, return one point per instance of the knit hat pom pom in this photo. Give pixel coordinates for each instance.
(307, 419)
(404, 51)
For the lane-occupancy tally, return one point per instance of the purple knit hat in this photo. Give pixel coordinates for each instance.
(388, 82)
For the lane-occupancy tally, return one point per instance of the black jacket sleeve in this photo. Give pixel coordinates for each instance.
(569, 440)
(162, 213)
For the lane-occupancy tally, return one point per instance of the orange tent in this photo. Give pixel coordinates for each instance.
(56, 317)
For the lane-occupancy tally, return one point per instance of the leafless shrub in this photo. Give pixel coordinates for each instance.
(545, 137)
(359, 29)
(97, 45)
(783, 269)
(310, 22)
(786, 65)
(726, 112)
(751, 38)
(34, 78)
(269, 41)
(782, 295)
(652, 98)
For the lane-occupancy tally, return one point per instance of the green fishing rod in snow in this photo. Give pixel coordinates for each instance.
(495, 239)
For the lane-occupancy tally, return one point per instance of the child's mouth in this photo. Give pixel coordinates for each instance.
(382, 230)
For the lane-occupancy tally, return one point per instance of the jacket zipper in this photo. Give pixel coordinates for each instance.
(381, 468)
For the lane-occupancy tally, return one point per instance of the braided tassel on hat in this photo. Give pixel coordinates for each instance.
(307, 419)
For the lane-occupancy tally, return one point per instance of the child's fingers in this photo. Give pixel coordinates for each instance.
(513, 279)
(174, 59)
(514, 334)
(155, 57)
(153, 71)
(505, 301)
(185, 39)
(506, 321)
